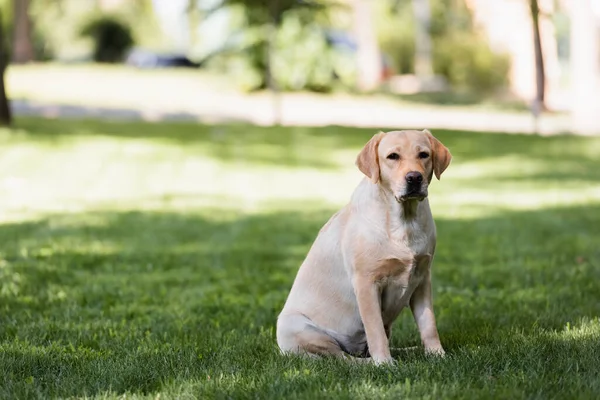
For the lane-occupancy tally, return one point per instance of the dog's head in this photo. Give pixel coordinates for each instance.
(404, 162)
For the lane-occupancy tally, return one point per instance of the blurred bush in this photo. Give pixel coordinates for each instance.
(111, 38)
(461, 54)
(311, 62)
(305, 60)
(396, 33)
(302, 57)
(469, 64)
(58, 25)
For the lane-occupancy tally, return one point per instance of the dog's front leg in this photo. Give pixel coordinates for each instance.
(367, 296)
(421, 304)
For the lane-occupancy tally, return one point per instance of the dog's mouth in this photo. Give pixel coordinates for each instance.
(420, 196)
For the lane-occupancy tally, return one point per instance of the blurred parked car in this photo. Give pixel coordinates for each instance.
(148, 59)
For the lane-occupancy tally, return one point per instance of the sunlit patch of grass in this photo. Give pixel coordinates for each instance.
(152, 260)
(247, 168)
(587, 329)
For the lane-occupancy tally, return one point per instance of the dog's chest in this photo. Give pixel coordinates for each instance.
(412, 236)
(405, 273)
(396, 291)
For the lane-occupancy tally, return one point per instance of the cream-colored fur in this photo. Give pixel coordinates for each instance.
(372, 258)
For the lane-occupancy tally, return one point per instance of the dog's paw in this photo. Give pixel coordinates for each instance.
(389, 361)
(435, 351)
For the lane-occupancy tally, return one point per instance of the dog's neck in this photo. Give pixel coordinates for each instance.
(408, 209)
(403, 210)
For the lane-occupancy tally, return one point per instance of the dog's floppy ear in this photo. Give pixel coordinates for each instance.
(441, 155)
(367, 160)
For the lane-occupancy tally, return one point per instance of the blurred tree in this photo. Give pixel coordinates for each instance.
(396, 34)
(539, 101)
(5, 114)
(261, 12)
(58, 23)
(271, 13)
(112, 38)
(530, 45)
(256, 49)
(585, 81)
(368, 56)
(23, 49)
(423, 48)
(459, 52)
(275, 19)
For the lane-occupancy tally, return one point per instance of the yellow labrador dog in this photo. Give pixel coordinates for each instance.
(372, 258)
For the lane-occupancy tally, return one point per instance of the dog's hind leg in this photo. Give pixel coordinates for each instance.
(297, 334)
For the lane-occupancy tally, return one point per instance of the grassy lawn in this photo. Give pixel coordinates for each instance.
(152, 260)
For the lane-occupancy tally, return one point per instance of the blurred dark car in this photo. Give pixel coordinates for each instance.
(148, 59)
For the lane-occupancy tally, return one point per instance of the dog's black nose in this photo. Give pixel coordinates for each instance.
(414, 178)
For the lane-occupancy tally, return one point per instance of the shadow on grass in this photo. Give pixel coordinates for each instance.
(138, 301)
(558, 157)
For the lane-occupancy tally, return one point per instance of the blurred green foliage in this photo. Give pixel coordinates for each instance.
(460, 53)
(469, 64)
(311, 63)
(395, 30)
(58, 25)
(302, 58)
(112, 38)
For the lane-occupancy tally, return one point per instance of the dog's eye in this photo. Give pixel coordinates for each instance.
(393, 156)
(423, 155)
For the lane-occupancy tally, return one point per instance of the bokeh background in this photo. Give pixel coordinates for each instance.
(165, 166)
(533, 63)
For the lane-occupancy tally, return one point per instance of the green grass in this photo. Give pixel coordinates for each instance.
(152, 260)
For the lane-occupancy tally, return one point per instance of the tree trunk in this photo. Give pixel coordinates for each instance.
(585, 68)
(23, 43)
(540, 74)
(271, 80)
(5, 115)
(368, 56)
(423, 47)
